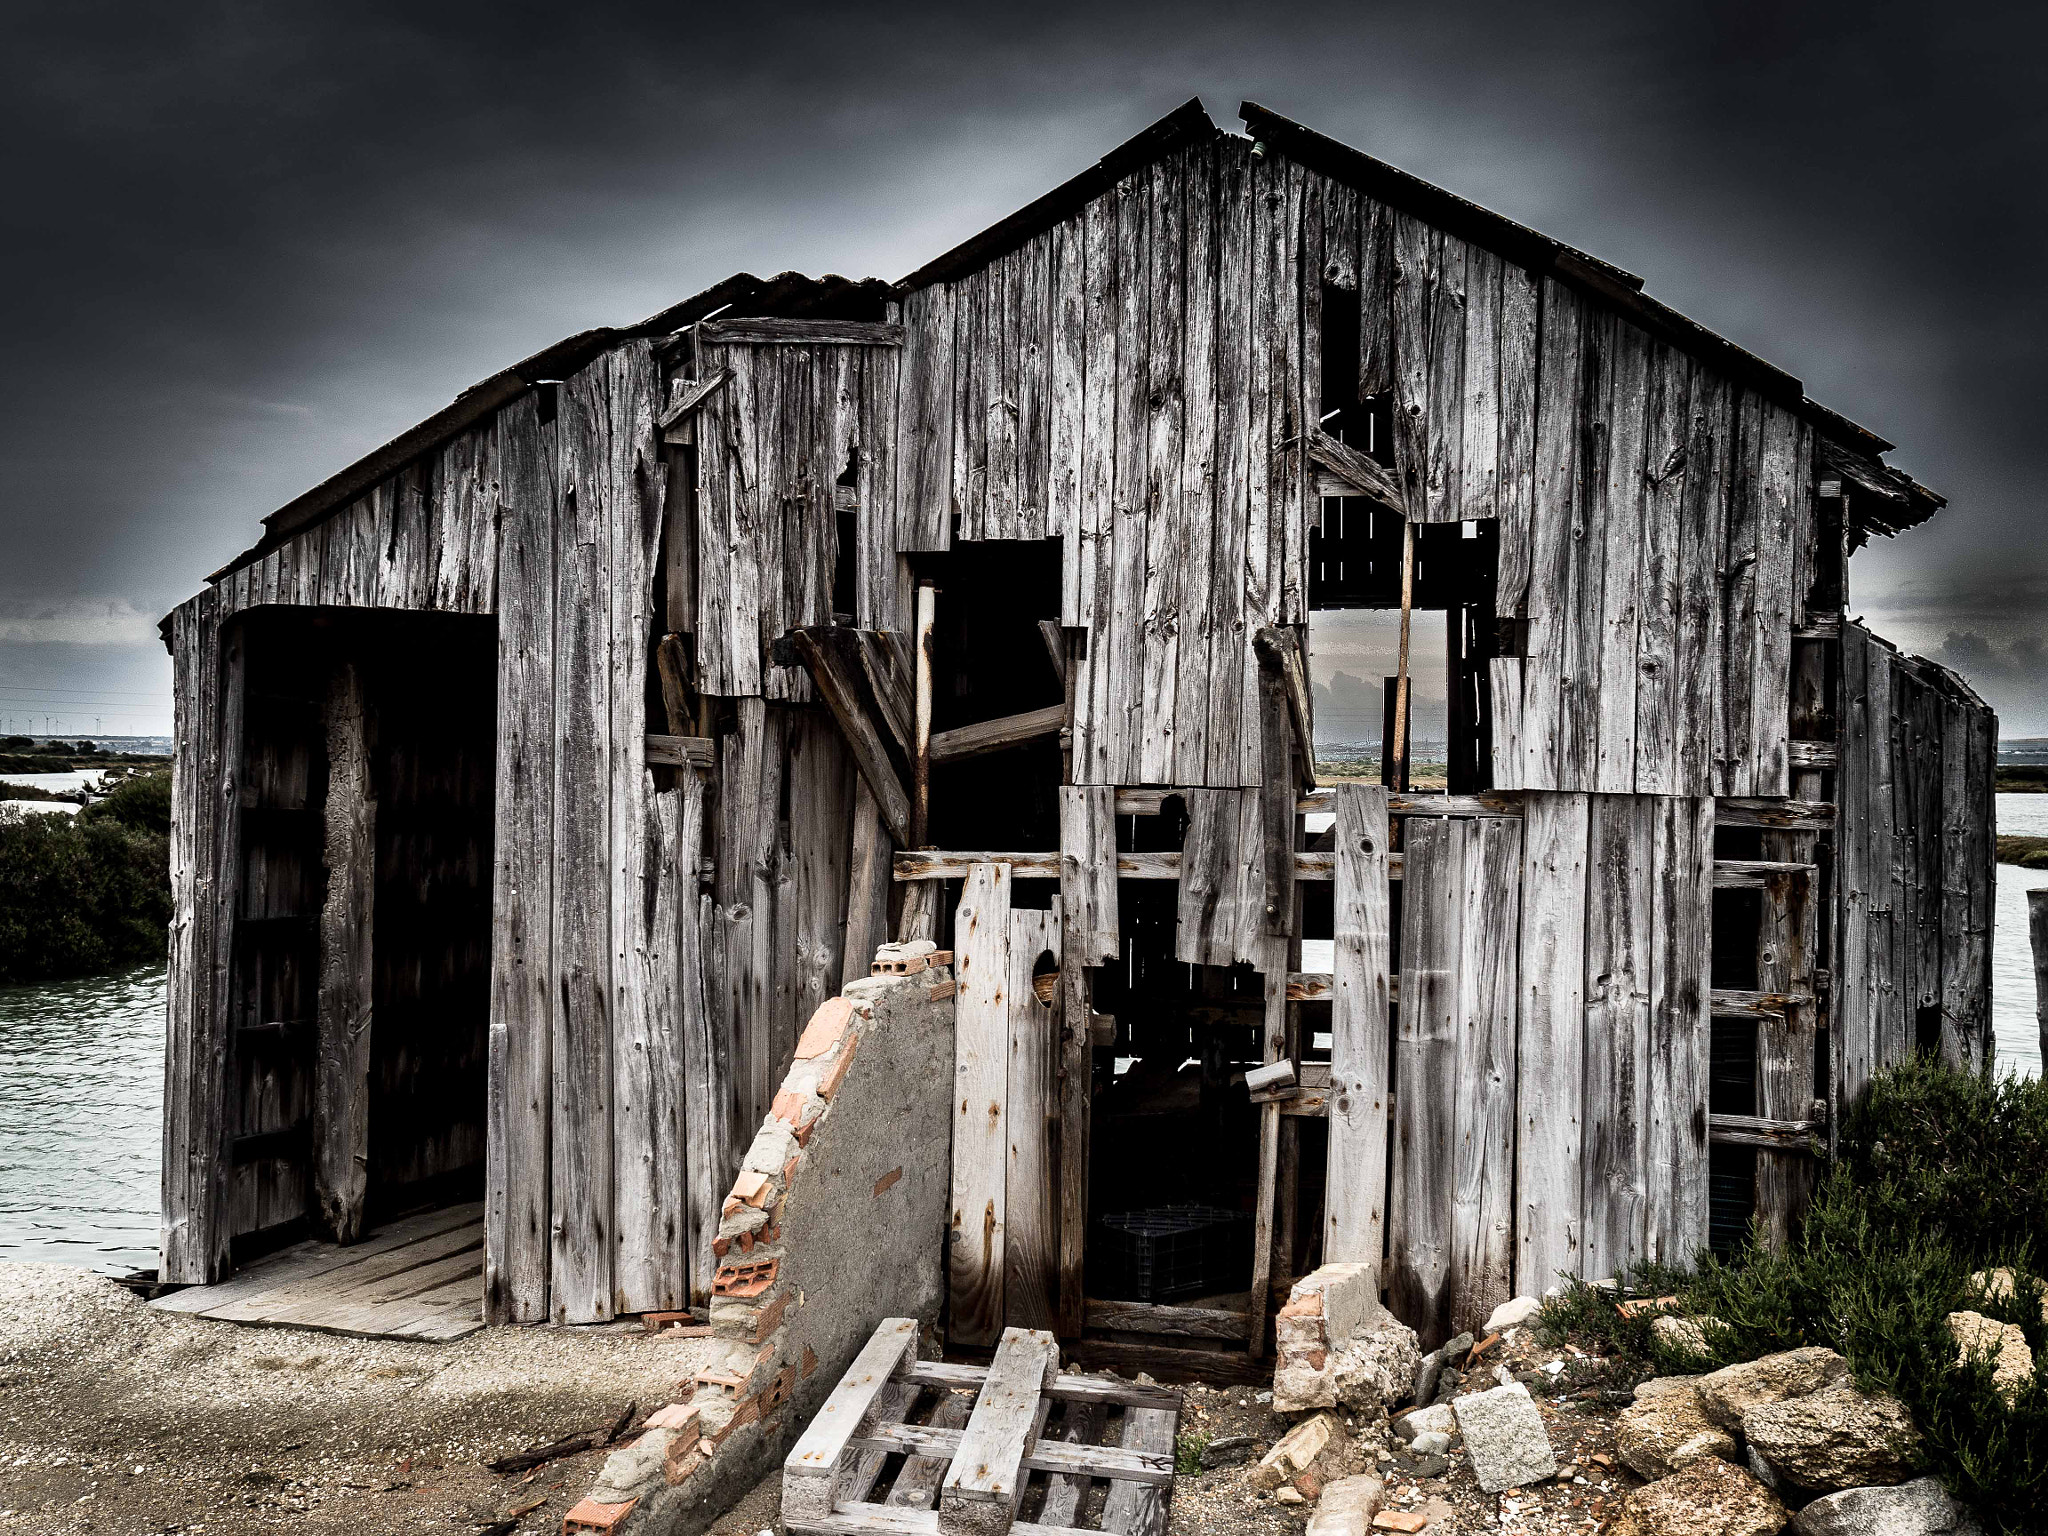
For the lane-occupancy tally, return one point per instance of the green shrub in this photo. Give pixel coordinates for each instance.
(143, 803)
(79, 895)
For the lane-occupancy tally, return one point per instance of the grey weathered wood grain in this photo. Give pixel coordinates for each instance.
(1483, 1151)
(1088, 873)
(1548, 597)
(1031, 1199)
(341, 1093)
(1681, 926)
(1139, 1509)
(988, 1468)
(1425, 1087)
(1360, 1066)
(1550, 1046)
(1614, 1190)
(976, 1259)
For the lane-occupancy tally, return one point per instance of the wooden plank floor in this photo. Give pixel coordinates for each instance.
(420, 1277)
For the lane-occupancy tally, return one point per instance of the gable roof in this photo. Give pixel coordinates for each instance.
(1890, 500)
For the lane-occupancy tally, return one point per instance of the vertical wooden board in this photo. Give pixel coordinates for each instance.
(519, 1114)
(976, 1260)
(1414, 245)
(706, 1023)
(867, 885)
(875, 485)
(1425, 1063)
(1088, 896)
(1483, 1083)
(1924, 781)
(1681, 938)
(1266, 192)
(1444, 476)
(582, 1089)
(1086, 552)
(341, 1083)
(1891, 1036)
(1229, 641)
(1516, 473)
(1504, 693)
(1852, 1037)
(1272, 968)
(1617, 1033)
(1031, 301)
(1622, 517)
(1288, 528)
(821, 805)
(1550, 1041)
(1970, 962)
(786, 445)
(973, 356)
(1197, 511)
(1167, 508)
(1004, 400)
(1066, 404)
(1580, 723)
(1784, 492)
(1785, 1041)
(1377, 290)
(1739, 625)
(1551, 536)
(213, 1053)
(1354, 1199)
(1480, 387)
(1117, 670)
(924, 421)
(1030, 1198)
(1659, 707)
(1701, 726)
(1222, 884)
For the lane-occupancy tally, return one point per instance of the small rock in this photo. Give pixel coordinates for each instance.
(1399, 1520)
(1432, 1466)
(1289, 1495)
(1313, 1442)
(1505, 1439)
(1729, 1393)
(1229, 1451)
(1427, 1371)
(1457, 1349)
(1421, 1421)
(2012, 1364)
(2000, 1285)
(1919, 1508)
(1708, 1498)
(1760, 1469)
(1347, 1507)
(1688, 1335)
(1432, 1442)
(1665, 1429)
(1832, 1439)
(1512, 1314)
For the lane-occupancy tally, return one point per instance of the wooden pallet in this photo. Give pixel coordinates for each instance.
(901, 1447)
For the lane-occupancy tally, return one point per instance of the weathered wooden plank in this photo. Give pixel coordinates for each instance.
(976, 1260)
(1424, 1066)
(1064, 1495)
(917, 1484)
(1139, 1509)
(1852, 1036)
(988, 1468)
(1195, 509)
(1586, 556)
(186, 1215)
(924, 440)
(820, 838)
(1177, 1322)
(1517, 466)
(1788, 1136)
(1785, 1040)
(1779, 815)
(832, 657)
(1166, 516)
(1547, 602)
(518, 1113)
(705, 1021)
(1066, 382)
(1891, 1033)
(1550, 1060)
(1504, 693)
(1661, 594)
(680, 751)
(1088, 873)
(984, 736)
(814, 1461)
(1273, 976)
(1221, 891)
(1228, 751)
(867, 885)
(931, 864)
(1619, 901)
(1360, 1067)
(1030, 1108)
(764, 330)
(1415, 247)
(1784, 490)
(1483, 1086)
(1621, 511)
(1740, 632)
(1681, 929)
(341, 1082)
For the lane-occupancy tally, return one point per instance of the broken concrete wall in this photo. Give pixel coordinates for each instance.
(836, 1221)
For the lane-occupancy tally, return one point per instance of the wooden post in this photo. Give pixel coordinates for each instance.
(2037, 930)
(976, 1260)
(1399, 778)
(921, 747)
(341, 1085)
(1275, 1034)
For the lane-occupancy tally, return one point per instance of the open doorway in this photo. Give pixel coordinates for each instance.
(360, 969)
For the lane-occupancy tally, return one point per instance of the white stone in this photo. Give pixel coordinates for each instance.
(1504, 1438)
(1919, 1508)
(1347, 1507)
(1512, 1314)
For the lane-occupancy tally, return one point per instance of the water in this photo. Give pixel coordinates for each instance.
(81, 1116)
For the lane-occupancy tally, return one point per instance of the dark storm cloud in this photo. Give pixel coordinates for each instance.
(245, 243)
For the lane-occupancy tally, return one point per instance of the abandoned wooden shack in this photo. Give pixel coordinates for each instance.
(539, 775)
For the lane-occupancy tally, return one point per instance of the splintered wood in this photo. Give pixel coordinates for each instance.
(921, 1448)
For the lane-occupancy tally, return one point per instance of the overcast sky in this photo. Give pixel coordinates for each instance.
(249, 243)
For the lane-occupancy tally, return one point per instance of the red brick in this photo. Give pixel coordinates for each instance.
(680, 1462)
(593, 1516)
(1309, 1305)
(810, 1361)
(1314, 1359)
(789, 1170)
(825, 1028)
(769, 1318)
(837, 1075)
(719, 1246)
(789, 1106)
(744, 1280)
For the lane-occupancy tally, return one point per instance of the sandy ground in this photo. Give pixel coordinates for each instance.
(117, 1419)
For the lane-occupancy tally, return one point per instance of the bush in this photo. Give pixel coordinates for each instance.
(79, 895)
(142, 803)
(1938, 1174)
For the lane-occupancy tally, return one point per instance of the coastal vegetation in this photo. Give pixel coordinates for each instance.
(89, 892)
(2026, 852)
(1939, 1177)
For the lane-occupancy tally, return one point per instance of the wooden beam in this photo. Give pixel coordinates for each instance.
(1739, 1003)
(987, 1475)
(1813, 754)
(1782, 815)
(1756, 1131)
(1755, 874)
(341, 1084)
(1280, 650)
(681, 751)
(693, 397)
(964, 741)
(953, 864)
(767, 331)
(822, 653)
(1181, 1322)
(1397, 779)
(921, 730)
(1507, 802)
(1357, 475)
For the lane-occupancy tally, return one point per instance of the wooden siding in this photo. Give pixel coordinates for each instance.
(1915, 852)
(1136, 380)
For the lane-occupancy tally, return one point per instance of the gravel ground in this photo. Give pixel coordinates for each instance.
(1223, 1500)
(117, 1419)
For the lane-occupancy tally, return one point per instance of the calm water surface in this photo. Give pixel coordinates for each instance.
(81, 1089)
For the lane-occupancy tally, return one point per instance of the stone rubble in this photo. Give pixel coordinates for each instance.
(1667, 1429)
(2012, 1361)
(1504, 1438)
(1708, 1498)
(1919, 1508)
(1833, 1439)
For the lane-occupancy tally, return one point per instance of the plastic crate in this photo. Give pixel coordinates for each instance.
(1170, 1252)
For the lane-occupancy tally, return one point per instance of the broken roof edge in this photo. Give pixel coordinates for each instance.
(787, 291)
